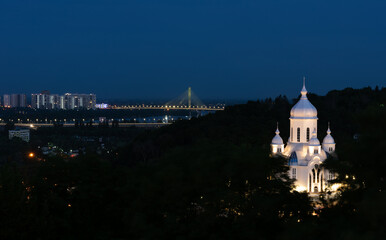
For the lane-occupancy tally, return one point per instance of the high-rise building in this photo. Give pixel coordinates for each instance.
(53, 101)
(62, 102)
(22, 100)
(39, 101)
(45, 100)
(7, 100)
(14, 100)
(18, 100)
(76, 101)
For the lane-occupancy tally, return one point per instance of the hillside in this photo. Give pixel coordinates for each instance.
(210, 177)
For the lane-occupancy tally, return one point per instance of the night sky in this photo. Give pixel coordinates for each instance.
(230, 49)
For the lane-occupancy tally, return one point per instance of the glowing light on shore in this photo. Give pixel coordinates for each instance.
(300, 189)
(335, 187)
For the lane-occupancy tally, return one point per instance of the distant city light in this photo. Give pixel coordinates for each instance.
(102, 106)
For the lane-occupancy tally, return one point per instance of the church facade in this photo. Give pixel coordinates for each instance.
(303, 150)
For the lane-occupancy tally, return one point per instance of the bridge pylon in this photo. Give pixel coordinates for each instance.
(189, 97)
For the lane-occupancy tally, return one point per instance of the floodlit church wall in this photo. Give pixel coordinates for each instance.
(305, 179)
(301, 176)
(316, 176)
(277, 148)
(315, 150)
(329, 147)
(303, 124)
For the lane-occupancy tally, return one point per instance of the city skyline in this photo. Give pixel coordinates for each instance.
(222, 49)
(47, 100)
(167, 98)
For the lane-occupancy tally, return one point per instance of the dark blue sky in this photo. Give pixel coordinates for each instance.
(222, 48)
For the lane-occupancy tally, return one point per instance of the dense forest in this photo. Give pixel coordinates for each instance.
(210, 177)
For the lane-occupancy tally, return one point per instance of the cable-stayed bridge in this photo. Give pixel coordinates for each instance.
(186, 101)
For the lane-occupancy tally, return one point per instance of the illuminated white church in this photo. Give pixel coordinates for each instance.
(303, 150)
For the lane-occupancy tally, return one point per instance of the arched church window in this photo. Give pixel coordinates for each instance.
(308, 134)
(315, 151)
(298, 133)
(313, 175)
(317, 176)
(279, 150)
(292, 134)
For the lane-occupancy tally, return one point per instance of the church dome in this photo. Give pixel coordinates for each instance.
(303, 108)
(277, 140)
(328, 139)
(314, 141)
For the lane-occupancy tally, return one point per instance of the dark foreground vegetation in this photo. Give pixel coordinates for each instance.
(208, 178)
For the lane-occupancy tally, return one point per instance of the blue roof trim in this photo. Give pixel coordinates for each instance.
(293, 159)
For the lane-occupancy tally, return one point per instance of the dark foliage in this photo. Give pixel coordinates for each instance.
(209, 178)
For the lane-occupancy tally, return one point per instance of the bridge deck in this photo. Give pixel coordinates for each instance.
(34, 125)
(139, 107)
